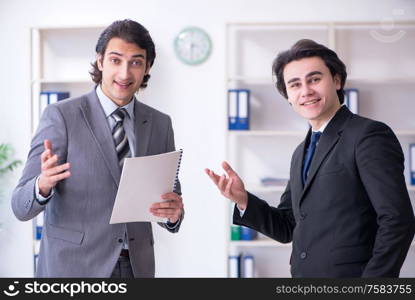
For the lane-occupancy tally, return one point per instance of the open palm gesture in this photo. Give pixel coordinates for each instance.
(231, 186)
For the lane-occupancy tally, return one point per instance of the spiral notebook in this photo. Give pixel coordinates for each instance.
(143, 180)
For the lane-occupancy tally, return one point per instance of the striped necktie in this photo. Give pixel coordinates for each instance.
(119, 136)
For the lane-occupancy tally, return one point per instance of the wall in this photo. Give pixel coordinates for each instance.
(194, 97)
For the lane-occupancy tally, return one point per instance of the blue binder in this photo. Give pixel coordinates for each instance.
(38, 232)
(243, 109)
(232, 109)
(238, 109)
(49, 97)
(35, 260)
(248, 234)
(412, 163)
(234, 270)
(351, 100)
(248, 266)
(39, 219)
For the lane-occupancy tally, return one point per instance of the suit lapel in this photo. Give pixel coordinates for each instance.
(96, 121)
(328, 140)
(298, 158)
(143, 124)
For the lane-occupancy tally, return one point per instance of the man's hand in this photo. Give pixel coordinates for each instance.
(171, 208)
(231, 187)
(51, 173)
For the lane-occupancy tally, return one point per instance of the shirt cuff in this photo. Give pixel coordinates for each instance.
(42, 200)
(241, 211)
(172, 225)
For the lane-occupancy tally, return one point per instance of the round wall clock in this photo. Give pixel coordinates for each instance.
(192, 45)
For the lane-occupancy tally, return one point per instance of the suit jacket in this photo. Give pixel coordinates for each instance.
(353, 216)
(77, 239)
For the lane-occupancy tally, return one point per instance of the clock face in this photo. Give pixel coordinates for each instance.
(192, 46)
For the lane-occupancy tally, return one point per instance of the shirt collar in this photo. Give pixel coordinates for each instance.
(321, 129)
(109, 106)
(323, 126)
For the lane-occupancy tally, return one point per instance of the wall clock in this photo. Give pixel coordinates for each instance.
(192, 45)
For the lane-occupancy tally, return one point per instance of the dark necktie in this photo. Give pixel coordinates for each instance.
(315, 136)
(119, 135)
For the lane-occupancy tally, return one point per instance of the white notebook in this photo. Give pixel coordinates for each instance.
(143, 181)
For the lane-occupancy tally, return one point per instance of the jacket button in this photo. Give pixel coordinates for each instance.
(303, 216)
(303, 255)
(120, 240)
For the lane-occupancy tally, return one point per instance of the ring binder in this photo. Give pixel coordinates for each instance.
(149, 176)
(238, 109)
(234, 264)
(248, 269)
(176, 180)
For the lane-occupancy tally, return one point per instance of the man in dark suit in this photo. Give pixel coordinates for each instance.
(346, 207)
(74, 166)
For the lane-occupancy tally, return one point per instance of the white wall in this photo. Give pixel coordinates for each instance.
(194, 97)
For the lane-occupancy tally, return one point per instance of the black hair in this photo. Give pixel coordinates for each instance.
(131, 32)
(309, 48)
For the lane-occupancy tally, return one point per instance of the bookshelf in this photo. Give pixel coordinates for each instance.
(60, 61)
(380, 65)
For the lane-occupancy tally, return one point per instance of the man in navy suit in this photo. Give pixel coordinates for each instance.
(346, 207)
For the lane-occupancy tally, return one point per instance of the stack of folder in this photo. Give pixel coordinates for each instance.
(238, 109)
(241, 265)
(49, 97)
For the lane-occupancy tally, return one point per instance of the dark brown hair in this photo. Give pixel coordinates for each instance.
(131, 32)
(309, 48)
